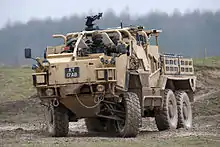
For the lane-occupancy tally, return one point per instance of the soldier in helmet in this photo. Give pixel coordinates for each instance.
(69, 46)
(97, 46)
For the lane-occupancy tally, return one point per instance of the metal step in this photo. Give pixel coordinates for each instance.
(152, 96)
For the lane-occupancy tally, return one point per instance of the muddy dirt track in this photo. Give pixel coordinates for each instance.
(22, 123)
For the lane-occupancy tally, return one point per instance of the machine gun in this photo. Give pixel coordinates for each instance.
(89, 22)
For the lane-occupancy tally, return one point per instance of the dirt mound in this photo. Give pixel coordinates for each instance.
(208, 80)
(21, 111)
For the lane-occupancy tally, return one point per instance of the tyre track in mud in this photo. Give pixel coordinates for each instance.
(29, 129)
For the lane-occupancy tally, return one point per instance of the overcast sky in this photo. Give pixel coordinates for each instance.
(23, 10)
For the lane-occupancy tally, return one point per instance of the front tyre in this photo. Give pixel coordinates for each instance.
(129, 125)
(57, 121)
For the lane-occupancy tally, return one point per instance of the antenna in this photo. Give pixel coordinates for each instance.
(121, 24)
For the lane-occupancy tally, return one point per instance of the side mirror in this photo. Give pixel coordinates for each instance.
(45, 53)
(27, 53)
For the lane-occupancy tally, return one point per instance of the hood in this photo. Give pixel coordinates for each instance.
(59, 58)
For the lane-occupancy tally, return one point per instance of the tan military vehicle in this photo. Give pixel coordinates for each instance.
(113, 78)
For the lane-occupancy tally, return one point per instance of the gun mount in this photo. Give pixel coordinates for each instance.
(90, 20)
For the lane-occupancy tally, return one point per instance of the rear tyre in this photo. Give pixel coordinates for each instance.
(57, 121)
(184, 110)
(167, 117)
(129, 125)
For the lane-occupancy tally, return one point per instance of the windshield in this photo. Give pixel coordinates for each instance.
(93, 43)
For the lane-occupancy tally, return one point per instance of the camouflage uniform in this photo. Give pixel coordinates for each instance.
(97, 45)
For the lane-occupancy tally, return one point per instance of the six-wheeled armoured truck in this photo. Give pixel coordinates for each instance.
(113, 78)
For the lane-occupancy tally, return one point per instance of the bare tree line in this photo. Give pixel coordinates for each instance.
(188, 34)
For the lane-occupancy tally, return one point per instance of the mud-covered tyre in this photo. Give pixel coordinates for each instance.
(57, 121)
(184, 110)
(94, 125)
(167, 117)
(129, 127)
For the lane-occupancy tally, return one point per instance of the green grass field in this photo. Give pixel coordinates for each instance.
(209, 61)
(15, 83)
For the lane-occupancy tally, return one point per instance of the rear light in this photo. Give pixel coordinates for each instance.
(66, 48)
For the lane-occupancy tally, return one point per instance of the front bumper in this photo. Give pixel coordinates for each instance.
(99, 75)
(104, 76)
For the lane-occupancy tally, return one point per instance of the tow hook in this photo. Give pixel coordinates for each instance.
(55, 102)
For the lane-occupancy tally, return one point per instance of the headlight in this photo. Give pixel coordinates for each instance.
(49, 92)
(100, 88)
(46, 63)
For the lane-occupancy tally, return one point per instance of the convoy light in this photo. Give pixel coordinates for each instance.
(106, 61)
(102, 60)
(100, 88)
(112, 61)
